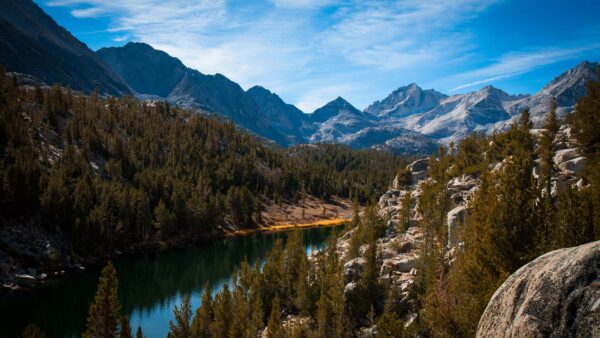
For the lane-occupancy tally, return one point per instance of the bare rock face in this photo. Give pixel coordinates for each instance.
(555, 295)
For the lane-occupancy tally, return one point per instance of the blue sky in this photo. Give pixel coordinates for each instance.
(311, 51)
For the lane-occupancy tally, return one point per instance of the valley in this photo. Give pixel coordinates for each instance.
(144, 192)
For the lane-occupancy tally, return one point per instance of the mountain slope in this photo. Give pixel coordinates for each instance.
(32, 42)
(284, 117)
(567, 88)
(153, 72)
(405, 101)
(458, 115)
(337, 119)
(487, 110)
(157, 75)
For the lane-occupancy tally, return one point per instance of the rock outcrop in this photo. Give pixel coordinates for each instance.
(555, 295)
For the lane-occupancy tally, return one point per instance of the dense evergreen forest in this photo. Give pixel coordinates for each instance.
(113, 171)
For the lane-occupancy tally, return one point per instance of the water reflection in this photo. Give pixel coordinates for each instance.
(149, 286)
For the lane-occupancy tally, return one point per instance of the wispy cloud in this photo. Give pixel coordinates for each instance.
(121, 38)
(310, 51)
(517, 63)
(399, 34)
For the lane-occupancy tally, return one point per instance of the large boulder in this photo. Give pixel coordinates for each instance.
(573, 167)
(418, 170)
(419, 165)
(564, 155)
(353, 268)
(455, 218)
(556, 295)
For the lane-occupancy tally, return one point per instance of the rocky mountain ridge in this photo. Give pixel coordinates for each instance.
(409, 120)
(31, 42)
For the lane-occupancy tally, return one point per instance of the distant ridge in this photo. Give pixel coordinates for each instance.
(408, 120)
(31, 42)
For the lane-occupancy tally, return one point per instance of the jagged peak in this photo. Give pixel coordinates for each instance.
(489, 89)
(339, 99)
(259, 88)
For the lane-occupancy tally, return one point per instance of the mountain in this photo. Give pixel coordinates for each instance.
(458, 115)
(405, 101)
(31, 42)
(145, 69)
(408, 118)
(284, 117)
(391, 138)
(567, 88)
(338, 119)
(487, 110)
(152, 72)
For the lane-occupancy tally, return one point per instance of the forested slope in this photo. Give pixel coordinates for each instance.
(109, 172)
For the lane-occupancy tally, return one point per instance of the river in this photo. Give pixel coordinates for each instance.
(149, 285)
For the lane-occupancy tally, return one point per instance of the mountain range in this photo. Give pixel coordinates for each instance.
(408, 120)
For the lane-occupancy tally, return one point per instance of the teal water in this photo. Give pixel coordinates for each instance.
(149, 286)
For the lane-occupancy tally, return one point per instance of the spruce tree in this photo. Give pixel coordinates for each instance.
(103, 318)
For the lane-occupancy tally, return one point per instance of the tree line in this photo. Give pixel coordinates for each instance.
(114, 171)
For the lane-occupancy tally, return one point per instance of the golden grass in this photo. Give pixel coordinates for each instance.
(289, 226)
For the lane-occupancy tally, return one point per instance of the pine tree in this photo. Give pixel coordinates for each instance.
(222, 314)
(125, 328)
(302, 301)
(585, 121)
(546, 152)
(275, 330)
(330, 315)
(389, 326)
(499, 238)
(203, 315)
(369, 282)
(405, 212)
(103, 318)
(294, 254)
(255, 322)
(181, 328)
(33, 331)
(138, 333)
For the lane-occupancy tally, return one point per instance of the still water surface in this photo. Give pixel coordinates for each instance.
(149, 286)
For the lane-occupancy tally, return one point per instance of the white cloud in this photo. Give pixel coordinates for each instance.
(121, 38)
(400, 34)
(291, 46)
(310, 4)
(308, 51)
(517, 63)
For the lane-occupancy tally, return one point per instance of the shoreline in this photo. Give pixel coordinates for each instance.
(325, 223)
(7, 290)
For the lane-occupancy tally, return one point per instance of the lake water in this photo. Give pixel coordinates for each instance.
(149, 286)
